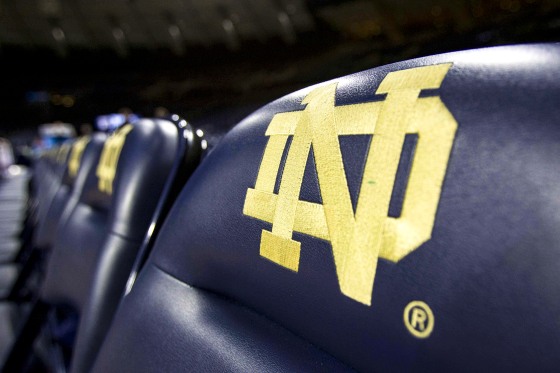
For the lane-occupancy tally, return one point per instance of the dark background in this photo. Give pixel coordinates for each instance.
(215, 61)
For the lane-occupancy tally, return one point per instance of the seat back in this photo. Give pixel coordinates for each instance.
(96, 245)
(68, 188)
(405, 217)
(83, 158)
(24, 211)
(50, 172)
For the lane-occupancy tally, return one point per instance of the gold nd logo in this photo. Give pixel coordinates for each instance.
(76, 155)
(107, 167)
(359, 239)
(62, 153)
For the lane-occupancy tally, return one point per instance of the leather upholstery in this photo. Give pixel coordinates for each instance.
(66, 194)
(65, 198)
(206, 300)
(51, 171)
(95, 248)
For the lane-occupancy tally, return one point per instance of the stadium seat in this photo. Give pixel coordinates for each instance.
(48, 180)
(45, 181)
(124, 198)
(72, 172)
(402, 218)
(15, 278)
(51, 173)
(68, 188)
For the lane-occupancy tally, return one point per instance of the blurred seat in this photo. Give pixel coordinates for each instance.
(51, 172)
(15, 277)
(36, 194)
(48, 179)
(28, 259)
(67, 187)
(128, 192)
(402, 218)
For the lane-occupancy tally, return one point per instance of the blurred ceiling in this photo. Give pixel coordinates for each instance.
(71, 60)
(121, 25)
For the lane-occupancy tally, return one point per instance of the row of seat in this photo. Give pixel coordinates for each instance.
(95, 199)
(402, 218)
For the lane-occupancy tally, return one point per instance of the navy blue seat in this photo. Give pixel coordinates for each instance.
(31, 209)
(68, 189)
(49, 172)
(141, 168)
(16, 279)
(402, 218)
(14, 273)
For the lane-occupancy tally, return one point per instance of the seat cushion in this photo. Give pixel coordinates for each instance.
(203, 332)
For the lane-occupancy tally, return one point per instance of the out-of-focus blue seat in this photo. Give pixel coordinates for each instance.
(69, 184)
(125, 196)
(16, 278)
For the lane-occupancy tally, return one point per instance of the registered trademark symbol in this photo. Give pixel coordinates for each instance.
(419, 319)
